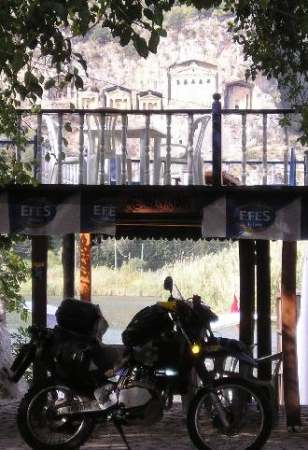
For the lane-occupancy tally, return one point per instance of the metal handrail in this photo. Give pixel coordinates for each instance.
(159, 169)
(149, 112)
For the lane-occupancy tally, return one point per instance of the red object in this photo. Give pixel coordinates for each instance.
(235, 305)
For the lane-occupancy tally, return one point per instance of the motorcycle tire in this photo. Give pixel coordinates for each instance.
(237, 402)
(33, 438)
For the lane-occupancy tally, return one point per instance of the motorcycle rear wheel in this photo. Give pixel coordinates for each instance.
(42, 429)
(232, 414)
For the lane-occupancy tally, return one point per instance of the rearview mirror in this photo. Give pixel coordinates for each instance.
(168, 284)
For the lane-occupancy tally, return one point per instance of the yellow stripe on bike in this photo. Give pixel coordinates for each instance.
(169, 306)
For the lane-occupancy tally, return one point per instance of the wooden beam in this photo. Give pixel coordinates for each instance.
(39, 292)
(39, 280)
(264, 328)
(247, 290)
(289, 316)
(68, 262)
(85, 267)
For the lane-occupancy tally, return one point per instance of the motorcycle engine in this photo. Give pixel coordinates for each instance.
(143, 404)
(147, 354)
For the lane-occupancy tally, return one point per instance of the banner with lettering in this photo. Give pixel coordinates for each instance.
(232, 212)
(253, 217)
(98, 213)
(38, 213)
(268, 218)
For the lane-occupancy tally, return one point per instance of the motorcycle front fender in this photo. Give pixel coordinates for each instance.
(244, 357)
(225, 353)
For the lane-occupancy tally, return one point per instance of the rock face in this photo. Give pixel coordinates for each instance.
(196, 59)
(7, 389)
(202, 44)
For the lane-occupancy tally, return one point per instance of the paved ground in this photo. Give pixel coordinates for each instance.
(169, 434)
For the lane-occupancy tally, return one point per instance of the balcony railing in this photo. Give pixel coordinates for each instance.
(163, 147)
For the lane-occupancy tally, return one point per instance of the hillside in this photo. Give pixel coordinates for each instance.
(196, 59)
(190, 36)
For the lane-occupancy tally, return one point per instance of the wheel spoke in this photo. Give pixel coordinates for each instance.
(229, 416)
(44, 423)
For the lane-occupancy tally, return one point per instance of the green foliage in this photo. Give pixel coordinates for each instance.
(273, 35)
(213, 274)
(36, 31)
(18, 339)
(176, 18)
(155, 253)
(135, 265)
(12, 171)
(103, 253)
(13, 269)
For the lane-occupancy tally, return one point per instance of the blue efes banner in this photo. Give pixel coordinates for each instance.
(236, 213)
(39, 213)
(56, 212)
(264, 219)
(253, 217)
(98, 213)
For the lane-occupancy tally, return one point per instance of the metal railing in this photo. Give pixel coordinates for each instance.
(162, 147)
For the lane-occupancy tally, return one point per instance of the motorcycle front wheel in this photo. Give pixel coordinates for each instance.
(43, 429)
(231, 414)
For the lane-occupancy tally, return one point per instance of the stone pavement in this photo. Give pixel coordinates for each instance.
(169, 434)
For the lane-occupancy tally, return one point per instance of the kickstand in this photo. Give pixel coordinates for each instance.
(121, 433)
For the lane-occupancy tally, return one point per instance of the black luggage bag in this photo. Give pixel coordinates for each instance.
(146, 325)
(81, 317)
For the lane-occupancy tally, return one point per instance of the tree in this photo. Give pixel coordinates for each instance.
(36, 34)
(13, 269)
(274, 36)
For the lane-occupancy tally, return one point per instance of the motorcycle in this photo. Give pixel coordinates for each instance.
(163, 344)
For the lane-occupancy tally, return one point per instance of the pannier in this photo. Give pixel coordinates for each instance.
(81, 317)
(78, 350)
(81, 359)
(146, 325)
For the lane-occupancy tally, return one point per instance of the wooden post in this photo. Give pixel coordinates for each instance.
(39, 292)
(289, 316)
(306, 168)
(216, 140)
(247, 290)
(68, 262)
(279, 348)
(286, 154)
(264, 329)
(85, 267)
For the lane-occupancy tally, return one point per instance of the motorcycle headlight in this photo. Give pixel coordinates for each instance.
(195, 349)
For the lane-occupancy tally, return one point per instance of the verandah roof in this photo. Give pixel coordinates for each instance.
(264, 212)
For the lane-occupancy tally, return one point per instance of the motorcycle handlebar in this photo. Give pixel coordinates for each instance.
(35, 330)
